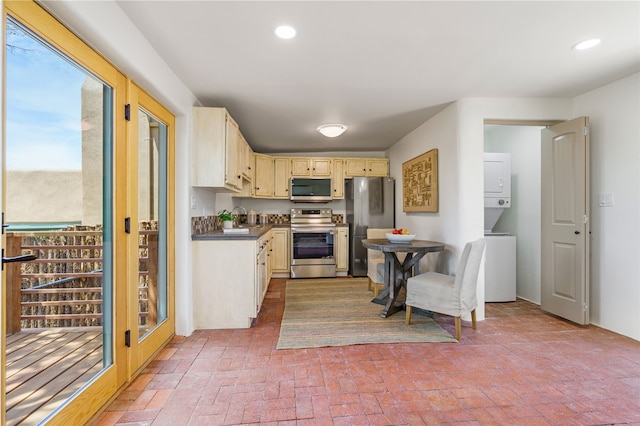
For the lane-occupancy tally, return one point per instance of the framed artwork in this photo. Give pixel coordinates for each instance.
(420, 183)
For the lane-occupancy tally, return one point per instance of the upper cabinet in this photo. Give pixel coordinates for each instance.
(366, 167)
(222, 158)
(305, 166)
(338, 178)
(263, 176)
(281, 177)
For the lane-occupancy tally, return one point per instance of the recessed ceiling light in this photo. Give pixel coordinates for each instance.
(285, 31)
(587, 44)
(332, 130)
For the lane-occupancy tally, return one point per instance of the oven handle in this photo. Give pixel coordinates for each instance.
(314, 230)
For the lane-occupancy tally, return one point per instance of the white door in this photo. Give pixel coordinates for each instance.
(565, 220)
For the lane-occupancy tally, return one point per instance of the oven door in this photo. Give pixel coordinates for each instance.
(312, 246)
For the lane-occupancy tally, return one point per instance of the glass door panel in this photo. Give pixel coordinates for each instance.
(58, 207)
(152, 220)
(150, 199)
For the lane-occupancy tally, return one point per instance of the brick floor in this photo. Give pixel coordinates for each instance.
(521, 366)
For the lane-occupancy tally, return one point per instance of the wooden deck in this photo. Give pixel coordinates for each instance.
(46, 367)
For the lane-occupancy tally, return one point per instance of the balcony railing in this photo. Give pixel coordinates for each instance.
(63, 287)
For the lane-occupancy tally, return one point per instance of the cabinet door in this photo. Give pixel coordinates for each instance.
(281, 177)
(208, 161)
(300, 167)
(342, 248)
(355, 167)
(321, 167)
(232, 176)
(246, 154)
(338, 178)
(264, 176)
(280, 254)
(378, 167)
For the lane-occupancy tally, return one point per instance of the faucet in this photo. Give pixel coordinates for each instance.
(235, 216)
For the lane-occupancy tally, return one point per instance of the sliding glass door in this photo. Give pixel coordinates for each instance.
(87, 196)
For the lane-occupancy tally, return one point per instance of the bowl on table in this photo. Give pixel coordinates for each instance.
(400, 238)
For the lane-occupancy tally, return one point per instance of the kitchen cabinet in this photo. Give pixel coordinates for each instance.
(246, 164)
(263, 269)
(217, 161)
(263, 176)
(366, 167)
(280, 254)
(342, 248)
(281, 177)
(230, 280)
(304, 166)
(337, 179)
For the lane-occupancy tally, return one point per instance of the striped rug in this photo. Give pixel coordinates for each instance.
(339, 312)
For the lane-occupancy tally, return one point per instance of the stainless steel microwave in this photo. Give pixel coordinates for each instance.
(310, 190)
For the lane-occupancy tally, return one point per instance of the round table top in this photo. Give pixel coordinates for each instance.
(415, 246)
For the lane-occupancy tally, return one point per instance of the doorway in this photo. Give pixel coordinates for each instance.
(522, 219)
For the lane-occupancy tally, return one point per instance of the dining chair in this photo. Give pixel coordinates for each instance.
(375, 260)
(446, 294)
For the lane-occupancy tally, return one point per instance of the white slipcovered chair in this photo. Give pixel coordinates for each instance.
(375, 260)
(446, 294)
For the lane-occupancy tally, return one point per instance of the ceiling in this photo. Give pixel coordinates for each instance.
(380, 67)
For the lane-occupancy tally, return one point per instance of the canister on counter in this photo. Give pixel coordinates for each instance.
(264, 218)
(251, 217)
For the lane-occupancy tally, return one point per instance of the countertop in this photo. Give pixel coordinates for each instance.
(255, 232)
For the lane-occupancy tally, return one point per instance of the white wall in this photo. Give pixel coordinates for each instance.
(523, 218)
(614, 111)
(108, 30)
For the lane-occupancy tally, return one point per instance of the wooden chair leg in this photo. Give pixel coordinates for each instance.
(408, 315)
(473, 319)
(458, 328)
(369, 287)
(376, 289)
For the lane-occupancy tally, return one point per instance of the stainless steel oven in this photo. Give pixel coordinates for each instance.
(312, 243)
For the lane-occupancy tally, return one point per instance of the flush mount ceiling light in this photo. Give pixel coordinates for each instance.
(587, 44)
(285, 32)
(332, 130)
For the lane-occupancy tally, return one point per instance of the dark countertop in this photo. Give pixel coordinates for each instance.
(255, 232)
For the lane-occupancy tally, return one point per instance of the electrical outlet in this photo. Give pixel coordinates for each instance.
(193, 201)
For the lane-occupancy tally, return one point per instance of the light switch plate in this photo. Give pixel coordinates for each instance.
(605, 199)
(193, 201)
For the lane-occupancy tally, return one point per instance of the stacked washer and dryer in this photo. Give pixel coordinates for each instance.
(500, 249)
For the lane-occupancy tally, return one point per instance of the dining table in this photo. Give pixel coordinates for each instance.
(396, 272)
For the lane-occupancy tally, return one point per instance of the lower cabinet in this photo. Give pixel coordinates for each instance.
(342, 248)
(280, 255)
(230, 280)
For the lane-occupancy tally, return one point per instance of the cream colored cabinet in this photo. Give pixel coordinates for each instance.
(281, 177)
(245, 153)
(366, 167)
(230, 280)
(263, 182)
(280, 253)
(342, 248)
(321, 167)
(216, 161)
(337, 180)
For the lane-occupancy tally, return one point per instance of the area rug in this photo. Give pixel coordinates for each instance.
(339, 312)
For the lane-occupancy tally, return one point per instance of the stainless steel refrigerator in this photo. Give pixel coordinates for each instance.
(369, 204)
